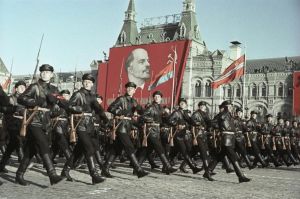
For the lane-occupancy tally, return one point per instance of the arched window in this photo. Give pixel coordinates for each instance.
(254, 91)
(238, 91)
(208, 89)
(198, 89)
(182, 30)
(280, 89)
(263, 90)
(229, 91)
(123, 37)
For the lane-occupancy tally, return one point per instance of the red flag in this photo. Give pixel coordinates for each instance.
(232, 72)
(296, 93)
(6, 84)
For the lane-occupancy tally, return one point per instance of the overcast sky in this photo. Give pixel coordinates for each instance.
(78, 31)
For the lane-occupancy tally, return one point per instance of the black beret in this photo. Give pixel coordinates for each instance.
(65, 92)
(239, 110)
(157, 93)
(182, 100)
(279, 117)
(269, 115)
(19, 83)
(226, 103)
(202, 103)
(253, 112)
(130, 84)
(46, 67)
(88, 76)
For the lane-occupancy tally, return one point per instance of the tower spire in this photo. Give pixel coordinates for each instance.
(130, 13)
(189, 6)
(129, 31)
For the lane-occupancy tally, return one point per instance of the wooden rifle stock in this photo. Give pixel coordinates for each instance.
(274, 144)
(248, 140)
(195, 142)
(145, 137)
(73, 130)
(215, 139)
(283, 143)
(113, 132)
(262, 142)
(26, 121)
(170, 139)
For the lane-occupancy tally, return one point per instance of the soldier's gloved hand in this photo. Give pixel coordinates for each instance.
(51, 99)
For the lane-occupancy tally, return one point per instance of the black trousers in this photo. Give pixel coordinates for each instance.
(182, 144)
(15, 142)
(153, 142)
(37, 141)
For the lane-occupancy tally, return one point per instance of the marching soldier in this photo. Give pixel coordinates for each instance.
(227, 128)
(253, 128)
(294, 142)
(123, 109)
(39, 99)
(4, 100)
(201, 123)
(279, 142)
(152, 119)
(266, 139)
(13, 120)
(81, 105)
(180, 121)
(286, 139)
(61, 128)
(240, 138)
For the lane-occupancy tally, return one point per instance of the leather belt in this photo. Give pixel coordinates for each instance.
(253, 132)
(83, 114)
(228, 132)
(40, 109)
(96, 125)
(18, 117)
(123, 118)
(153, 124)
(62, 119)
(180, 126)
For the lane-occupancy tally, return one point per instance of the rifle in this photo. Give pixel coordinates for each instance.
(26, 121)
(249, 142)
(74, 127)
(215, 139)
(145, 143)
(37, 62)
(274, 144)
(262, 142)
(195, 143)
(283, 143)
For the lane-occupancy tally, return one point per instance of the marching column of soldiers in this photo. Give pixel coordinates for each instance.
(44, 122)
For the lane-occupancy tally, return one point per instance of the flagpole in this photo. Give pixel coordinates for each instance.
(244, 81)
(173, 83)
(10, 75)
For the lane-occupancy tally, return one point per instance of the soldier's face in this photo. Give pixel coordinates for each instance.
(287, 123)
(229, 108)
(254, 116)
(182, 105)
(240, 114)
(87, 84)
(20, 89)
(99, 100)
(140, 67)
(46, 76)
(295, 124)
(66, 96)
(157, 99)
(270, 119)
(130, 91)
(202, 108)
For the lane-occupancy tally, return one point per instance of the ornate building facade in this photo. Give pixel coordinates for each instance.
(268, 86)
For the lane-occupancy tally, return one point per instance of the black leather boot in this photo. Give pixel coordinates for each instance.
(139, 171)
(1, 183)
(191, 164)
(99, 159)
(168, 168)
(239, 173)
(105, 170)
(20, 153)
(21, 170)
(182, 167)
(248, 162)
(3, 163)
(3, 149)
(54, 178)
(207, 174)
(96, 178)
(152, 162)
(274, 160)
(261, 160)
(65, 173)
(226, 165)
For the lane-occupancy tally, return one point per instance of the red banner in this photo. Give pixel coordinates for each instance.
(150, 66)
(296, 93)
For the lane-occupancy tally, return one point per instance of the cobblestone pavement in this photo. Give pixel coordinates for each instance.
(266, 183)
